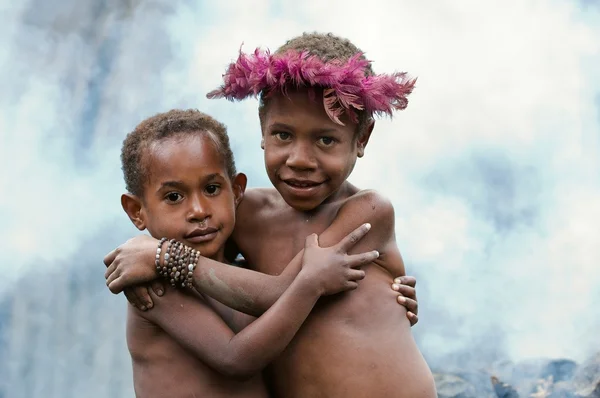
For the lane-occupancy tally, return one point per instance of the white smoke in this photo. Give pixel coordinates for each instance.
(493, 168)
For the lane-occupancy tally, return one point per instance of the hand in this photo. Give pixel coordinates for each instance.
(131, 263)
(405, 286)
(139, 296)
(332, 268)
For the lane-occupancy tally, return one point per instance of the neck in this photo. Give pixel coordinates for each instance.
(343, 192)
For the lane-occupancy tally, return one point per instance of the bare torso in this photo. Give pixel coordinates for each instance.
(163, 368)
(355, 344)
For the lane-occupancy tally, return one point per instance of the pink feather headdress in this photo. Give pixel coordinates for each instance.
(346, 88)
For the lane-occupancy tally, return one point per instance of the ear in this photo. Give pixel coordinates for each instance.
(363, 138)
(133, 207)
(262, 142)
(239, 187)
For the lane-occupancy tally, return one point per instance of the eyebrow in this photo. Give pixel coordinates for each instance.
(171, 184)
(213, 176)
(284, 126)
(181, 184)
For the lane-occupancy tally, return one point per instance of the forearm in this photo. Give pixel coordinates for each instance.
(191, 322)
(244, 290)
(264, 339)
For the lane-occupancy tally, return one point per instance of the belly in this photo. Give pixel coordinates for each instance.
(165, 369)
(357, 344)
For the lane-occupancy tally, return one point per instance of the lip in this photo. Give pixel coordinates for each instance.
(302, 188)
(200, 235)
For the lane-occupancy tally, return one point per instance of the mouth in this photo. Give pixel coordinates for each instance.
(200, 235)
(302, 187)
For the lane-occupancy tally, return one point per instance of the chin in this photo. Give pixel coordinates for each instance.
(302, 204)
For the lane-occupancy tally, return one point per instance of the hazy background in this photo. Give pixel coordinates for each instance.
(493, 168)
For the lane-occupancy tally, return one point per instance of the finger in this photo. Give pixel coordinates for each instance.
(111, 268)
(356, 275)
(311, 240)
(411, 305)
(412, 318)
(353, 237)
(351, 285)
(140, 304)
(357, 260)
(113, 283)
(130, 297)
(110, 257)
(405, 290)
(406, 280)
(158, 287)
(144, 296)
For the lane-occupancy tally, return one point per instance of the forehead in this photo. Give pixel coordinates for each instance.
(297, 108)
(182, 157)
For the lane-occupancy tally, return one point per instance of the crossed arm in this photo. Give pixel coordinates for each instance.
(202, 332)
(190, 321)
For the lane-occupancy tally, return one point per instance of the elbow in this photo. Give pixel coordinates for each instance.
(238, 373)
(239, 369)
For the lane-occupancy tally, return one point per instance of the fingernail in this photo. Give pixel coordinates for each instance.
(398, 280)
(368, 226)
(159, 292)
(376, 253)
(149, 305)
(395, 286)
(401, 299)
(143, 308)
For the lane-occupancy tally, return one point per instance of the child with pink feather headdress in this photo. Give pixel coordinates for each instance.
(318, 98)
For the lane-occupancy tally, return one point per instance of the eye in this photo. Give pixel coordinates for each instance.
(213, 189)
(327, 141)
(173, 197)
(282, 135)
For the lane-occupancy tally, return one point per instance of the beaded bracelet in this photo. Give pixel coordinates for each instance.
(158, 251)
(179, 263)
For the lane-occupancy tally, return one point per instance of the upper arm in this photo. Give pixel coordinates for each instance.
(194, 325)
(368, 207)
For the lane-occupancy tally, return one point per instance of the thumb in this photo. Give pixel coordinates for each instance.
(312, 240)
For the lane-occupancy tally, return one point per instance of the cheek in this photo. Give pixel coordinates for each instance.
(340, 165)
(273, 159)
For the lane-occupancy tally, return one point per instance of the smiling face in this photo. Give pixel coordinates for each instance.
(188, 194)
(307, 156)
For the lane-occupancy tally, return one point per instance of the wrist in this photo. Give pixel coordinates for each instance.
(159, 257)
(178, 262)
(309, 284)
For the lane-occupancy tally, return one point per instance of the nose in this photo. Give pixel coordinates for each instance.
(198, 210)
(301, 156)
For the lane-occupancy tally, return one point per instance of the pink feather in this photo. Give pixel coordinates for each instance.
(346, 88)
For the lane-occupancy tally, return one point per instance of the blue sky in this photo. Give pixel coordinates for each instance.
(493, 167)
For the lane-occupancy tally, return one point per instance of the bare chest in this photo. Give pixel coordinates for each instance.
(281, 235)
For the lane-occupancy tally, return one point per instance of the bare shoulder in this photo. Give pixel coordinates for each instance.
(372, 207)
(256, 204)
(260, 196)
(364, 206)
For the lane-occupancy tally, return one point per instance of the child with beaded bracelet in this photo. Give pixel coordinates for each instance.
(182, 184)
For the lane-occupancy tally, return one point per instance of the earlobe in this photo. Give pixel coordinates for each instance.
(133, 207)
(239, 187)
(363, 139)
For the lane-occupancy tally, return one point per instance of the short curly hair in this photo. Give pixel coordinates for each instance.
(327, 47)
(164, 125)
